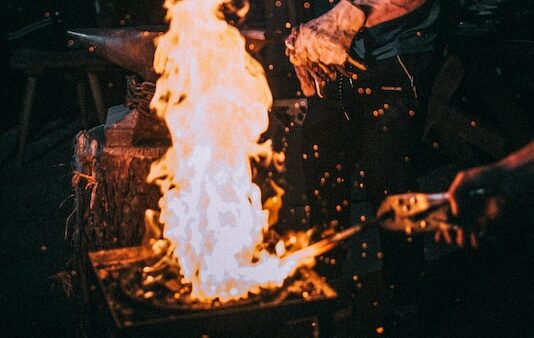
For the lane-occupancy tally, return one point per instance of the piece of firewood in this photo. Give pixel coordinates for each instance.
(111, 190)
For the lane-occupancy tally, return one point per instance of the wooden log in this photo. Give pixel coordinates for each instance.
(111, 190)
(116, 215)
(111, 196)
(87, 146)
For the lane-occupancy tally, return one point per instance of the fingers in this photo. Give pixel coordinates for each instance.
(306, 82)
(437, 236)
(319, 79)
(446, 235)
(313, 71)
(314, 75)
(310, 75)
(453, 192)
(465, 184)
(454, 205)
(317, 73)
(345, 72)
(290, 40)
(313, 79)
(459, 236)
(319, 89)
(355, 63)
(443, 231)
(328, 71)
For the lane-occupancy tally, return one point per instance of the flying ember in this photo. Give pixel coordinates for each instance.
(214, 98)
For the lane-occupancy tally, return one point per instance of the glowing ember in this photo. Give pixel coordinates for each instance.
(214, 98)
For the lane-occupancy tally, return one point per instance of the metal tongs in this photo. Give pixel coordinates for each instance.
(417, 212)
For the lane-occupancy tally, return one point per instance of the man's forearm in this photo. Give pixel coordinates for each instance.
(379, 11)
(406, 4)
(523, 157)
(514, 174)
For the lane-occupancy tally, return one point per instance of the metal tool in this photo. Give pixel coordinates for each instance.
(411, 212)
(417, 212)
(133, 48)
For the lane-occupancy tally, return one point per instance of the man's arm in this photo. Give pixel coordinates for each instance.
(505, 179)
(319, 47)
(508, 177)
(384, 10)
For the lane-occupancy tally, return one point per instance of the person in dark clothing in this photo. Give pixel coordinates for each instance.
(376, 132)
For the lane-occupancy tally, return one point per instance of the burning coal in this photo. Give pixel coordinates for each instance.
(214, 98)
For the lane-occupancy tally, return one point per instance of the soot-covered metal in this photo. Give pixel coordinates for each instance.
(305, 300)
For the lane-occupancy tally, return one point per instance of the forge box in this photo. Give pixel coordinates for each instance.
(116, 314)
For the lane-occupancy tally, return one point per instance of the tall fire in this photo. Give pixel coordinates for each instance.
(214, 98)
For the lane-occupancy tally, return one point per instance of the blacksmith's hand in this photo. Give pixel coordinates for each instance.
(478, 194)
(473, 185)
(475, 199)
(318, 49)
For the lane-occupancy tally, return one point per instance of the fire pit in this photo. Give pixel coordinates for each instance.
(304, 301)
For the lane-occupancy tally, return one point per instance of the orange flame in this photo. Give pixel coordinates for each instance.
(214, 98)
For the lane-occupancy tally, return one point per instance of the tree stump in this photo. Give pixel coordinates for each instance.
(110, 184)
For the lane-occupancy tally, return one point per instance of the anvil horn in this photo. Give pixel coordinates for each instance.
(130, 48)
(133, 48)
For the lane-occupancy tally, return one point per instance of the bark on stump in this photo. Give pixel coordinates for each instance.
(110, 166)
(111, 190)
